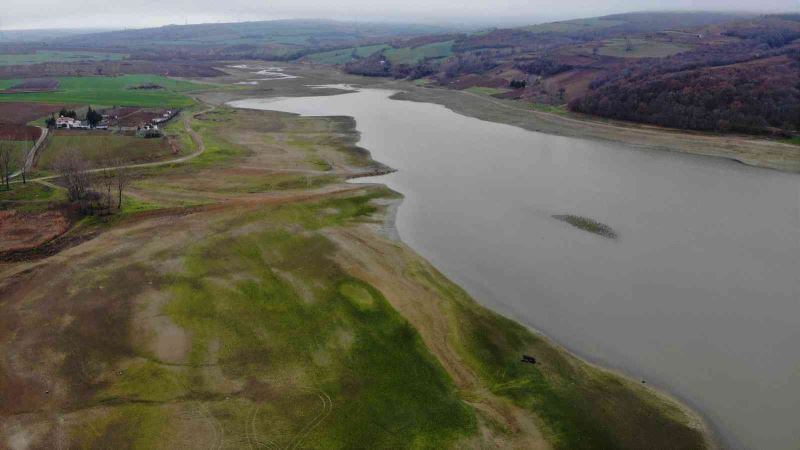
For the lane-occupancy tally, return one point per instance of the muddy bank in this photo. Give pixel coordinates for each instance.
(745, 149)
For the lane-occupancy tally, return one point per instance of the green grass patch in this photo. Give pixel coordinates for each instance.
(30, 197)
(43, 56)
(275, 304)
(486, 90)
(132, 205)
(552, 109)
(641, 48)
(218, 150)
(134, 426)
(329, 212)
(278, 182)
(409, 55)
(145, 381)
(343, 56)
(793, 140)
(580, 406)
(111, 91)
(359, 295)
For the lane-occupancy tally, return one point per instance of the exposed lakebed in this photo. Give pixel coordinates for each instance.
(698, 292)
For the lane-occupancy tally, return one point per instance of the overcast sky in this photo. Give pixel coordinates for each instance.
(27, 14)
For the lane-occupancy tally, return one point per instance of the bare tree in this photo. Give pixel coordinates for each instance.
(7, 162)
(23, 167)
(74, 172)
(106, 180)
(123, 179)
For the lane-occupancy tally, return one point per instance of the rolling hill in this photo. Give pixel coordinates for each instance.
(267, 39)
(700, 71)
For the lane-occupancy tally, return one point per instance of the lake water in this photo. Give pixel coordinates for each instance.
(699, 295)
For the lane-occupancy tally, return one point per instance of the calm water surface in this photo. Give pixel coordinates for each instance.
(699, 295)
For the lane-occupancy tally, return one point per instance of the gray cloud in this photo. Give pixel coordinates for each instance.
(19, 14)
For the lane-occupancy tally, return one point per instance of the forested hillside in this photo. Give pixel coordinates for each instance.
(699, 71)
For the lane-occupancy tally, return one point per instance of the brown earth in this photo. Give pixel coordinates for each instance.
(45, 85)
(109, 68)
(11, 132)
(575, 83)
(21, 231)
(138, 118)
(20, 113)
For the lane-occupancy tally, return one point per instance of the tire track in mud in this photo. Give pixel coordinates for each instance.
(327, 408)
(255, 441)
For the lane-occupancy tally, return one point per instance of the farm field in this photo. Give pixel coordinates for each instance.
(110, 91)
(641, 48)
(13, 132)
(43, 56)
(21, 113)
(97, 146)
(413, 55)
(344, 55)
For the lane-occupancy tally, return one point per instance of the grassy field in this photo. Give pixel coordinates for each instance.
(42, 56)
(345, 55)
(99, 146)
(544, 107)
(409, 55)
(580, 406)
(356, 350)
(20, 149)
(486, 90)
(111, 91)
(19, 146)
(641, 48)
(33, 196)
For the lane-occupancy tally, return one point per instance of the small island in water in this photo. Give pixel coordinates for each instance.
(587, 224)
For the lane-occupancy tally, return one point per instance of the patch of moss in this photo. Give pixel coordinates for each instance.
(276, 182)
(359, 295)
(145, 381)
(135, 426)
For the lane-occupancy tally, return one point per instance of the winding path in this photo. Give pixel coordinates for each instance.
(31, 156)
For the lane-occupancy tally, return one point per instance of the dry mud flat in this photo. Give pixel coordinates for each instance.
(254, 302)
(20, 231)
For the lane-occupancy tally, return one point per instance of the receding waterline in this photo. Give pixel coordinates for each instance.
(696, 294)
